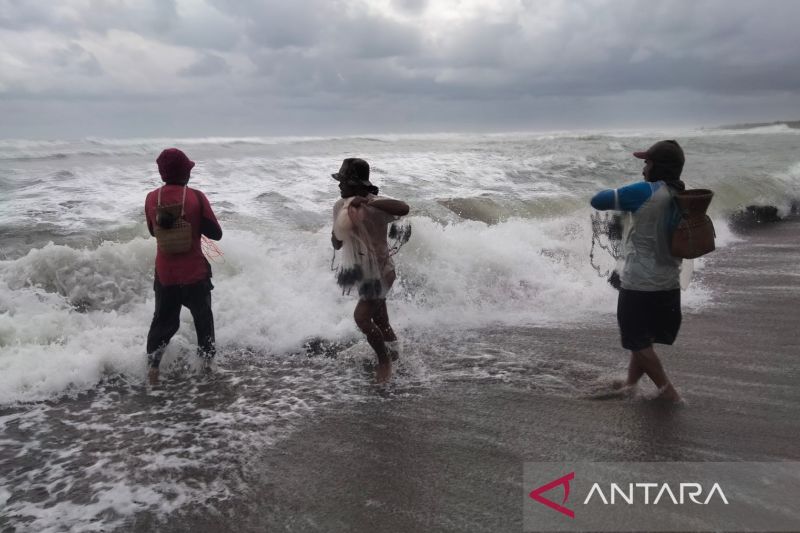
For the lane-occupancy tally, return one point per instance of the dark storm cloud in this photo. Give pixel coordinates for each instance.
(70, 17)
(158, 19)
(149, 17)
(208, 65)
(280, 24)
(75, 57)
(450, 57)
(378, 37)
(410, 6)
(18, 15)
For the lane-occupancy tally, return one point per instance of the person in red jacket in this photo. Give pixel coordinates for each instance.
(184, 278)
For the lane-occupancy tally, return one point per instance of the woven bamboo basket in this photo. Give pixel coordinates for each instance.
(176, 239)
(694, 236)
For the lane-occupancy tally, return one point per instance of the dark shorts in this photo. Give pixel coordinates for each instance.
(647, 317)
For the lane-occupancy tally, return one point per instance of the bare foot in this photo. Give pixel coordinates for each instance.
(384, 372)
(620, 383)
(667, 393)
(615, 390)
(152, 376)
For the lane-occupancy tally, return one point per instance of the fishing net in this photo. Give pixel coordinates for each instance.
(211, 250)
(399, 234)
(359, 266)
(364, 262)
(606, 235)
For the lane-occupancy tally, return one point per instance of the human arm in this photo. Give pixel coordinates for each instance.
(209, 226)
(336, 243)
(147, 216)
(392, 207)
(387, 205)
(337, 207)
(628, 198)
(211, 229)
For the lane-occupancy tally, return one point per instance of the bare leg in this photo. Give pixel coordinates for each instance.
(649, 363)
(384, 372)
(635, 371)
(381, 319)
(363, 314)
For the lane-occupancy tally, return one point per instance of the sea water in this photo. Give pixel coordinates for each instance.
(501, 238)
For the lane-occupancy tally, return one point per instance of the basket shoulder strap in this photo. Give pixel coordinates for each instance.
(678, 213)
(183, 200)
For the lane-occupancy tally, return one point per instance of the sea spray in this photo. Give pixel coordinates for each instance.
(494, 286)
(71, 316)
(501, 237)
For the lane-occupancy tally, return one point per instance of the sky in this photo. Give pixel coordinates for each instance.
(131, 68)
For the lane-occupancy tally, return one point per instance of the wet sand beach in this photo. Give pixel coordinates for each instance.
(451, 458)
(308, 444)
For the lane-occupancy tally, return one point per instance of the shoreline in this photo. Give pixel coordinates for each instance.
(451, 458)
(306, 444)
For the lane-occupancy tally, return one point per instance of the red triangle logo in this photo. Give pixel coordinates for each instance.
(536, 494)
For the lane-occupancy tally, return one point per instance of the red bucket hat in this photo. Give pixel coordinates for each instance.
(174, 166)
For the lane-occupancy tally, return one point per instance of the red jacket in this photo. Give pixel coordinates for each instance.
(192, 266)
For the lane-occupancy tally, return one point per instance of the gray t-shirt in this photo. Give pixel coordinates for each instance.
(648, 264)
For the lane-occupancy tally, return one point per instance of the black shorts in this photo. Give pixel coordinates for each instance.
(646, 317)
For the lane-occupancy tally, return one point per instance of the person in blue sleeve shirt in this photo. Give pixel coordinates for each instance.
(649, 304)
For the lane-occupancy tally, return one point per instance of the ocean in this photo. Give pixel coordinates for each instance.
(496, 303)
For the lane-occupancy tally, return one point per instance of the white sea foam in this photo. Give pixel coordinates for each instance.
(770, 129)
(70, 316)
(128, 450)
(500, 236)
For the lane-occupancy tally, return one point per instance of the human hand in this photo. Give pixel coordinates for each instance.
(358, 201)
(336, 243)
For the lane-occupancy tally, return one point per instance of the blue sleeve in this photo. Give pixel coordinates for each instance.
(628, 198)
(603, 200)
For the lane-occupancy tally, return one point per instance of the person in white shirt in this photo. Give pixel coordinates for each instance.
(360, 224)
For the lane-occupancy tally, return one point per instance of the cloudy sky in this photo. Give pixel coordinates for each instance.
(74, 68)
